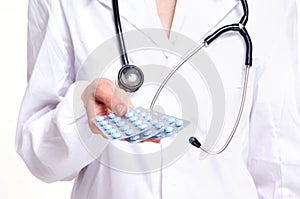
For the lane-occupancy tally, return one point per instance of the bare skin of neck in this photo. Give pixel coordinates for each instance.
(166, 10)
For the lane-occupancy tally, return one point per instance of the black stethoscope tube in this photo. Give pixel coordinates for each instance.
(119, 31)
(130, 77)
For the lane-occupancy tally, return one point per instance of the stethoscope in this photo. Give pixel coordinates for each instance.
(131, 77)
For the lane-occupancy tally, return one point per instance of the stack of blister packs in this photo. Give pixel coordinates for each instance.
(139, 124)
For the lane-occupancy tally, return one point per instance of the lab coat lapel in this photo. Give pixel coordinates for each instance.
(198, 18)
(195, 18)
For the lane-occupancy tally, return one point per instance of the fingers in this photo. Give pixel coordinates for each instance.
(151, 140)
(103, 93)
(114, 98)
(102, 97)
(92, 111)
(119, 102)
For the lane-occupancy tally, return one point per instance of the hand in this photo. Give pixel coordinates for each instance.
(102, 97)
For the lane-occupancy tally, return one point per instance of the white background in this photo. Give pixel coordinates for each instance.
(15, 180)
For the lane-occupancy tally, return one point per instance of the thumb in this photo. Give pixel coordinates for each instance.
(119, 102)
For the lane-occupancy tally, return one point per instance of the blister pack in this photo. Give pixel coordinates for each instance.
(139, 124)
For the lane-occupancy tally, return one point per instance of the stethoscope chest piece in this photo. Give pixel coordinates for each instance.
(130, 78)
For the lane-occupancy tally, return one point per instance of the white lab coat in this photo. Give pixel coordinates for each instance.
(263, 160)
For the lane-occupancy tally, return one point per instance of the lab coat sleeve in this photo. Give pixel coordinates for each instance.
(274, 158)
(47, 137)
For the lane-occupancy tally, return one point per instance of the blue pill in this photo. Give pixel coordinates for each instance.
(103, 123)
(153, 122)
(120, 123)
(169, 129)
(116, 135)
(129, 114)
(138, 122)
(99, 118)
(143, 114)
(137, 110)
(178, 123)
(155, 113)
(107, 127)
(124, 128)
(134, 138)
(147, 133)
(142, 126)
(133, 118)
(164, 117)
(111, 131)
(171, 120)
(111, 115)
(157, 136)
(148, 118)
(117, 119)
(129, 132)
(158, 125)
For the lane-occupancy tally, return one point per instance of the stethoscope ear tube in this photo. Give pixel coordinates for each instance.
(243, 32)
(220, 31)
(244, 18)
(240, 27)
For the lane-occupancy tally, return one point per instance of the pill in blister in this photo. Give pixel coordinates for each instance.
(142, 126)
(103, 123)
(116, 135)
(155, 113)
(133, 118)
(111, 115)
(143, 114)
(147, 133)
(134, 138)
(157, 136)
(138, 122)
(178, 123)
(129, 132)
(159, 125)
(124, 128)
(117, 119)
(171, 120)
(164, 117)
(148, 118)
(129, 114)
(111, 131)
(169, 129)
(99, 118)
(107, 127)
(120, 123)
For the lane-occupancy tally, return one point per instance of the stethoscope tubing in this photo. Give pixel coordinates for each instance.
(236, 124)
(241, 29)
(118, 26)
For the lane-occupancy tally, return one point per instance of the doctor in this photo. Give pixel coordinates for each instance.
(262, 160)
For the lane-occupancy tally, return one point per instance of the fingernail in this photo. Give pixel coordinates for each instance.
(120, 109)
